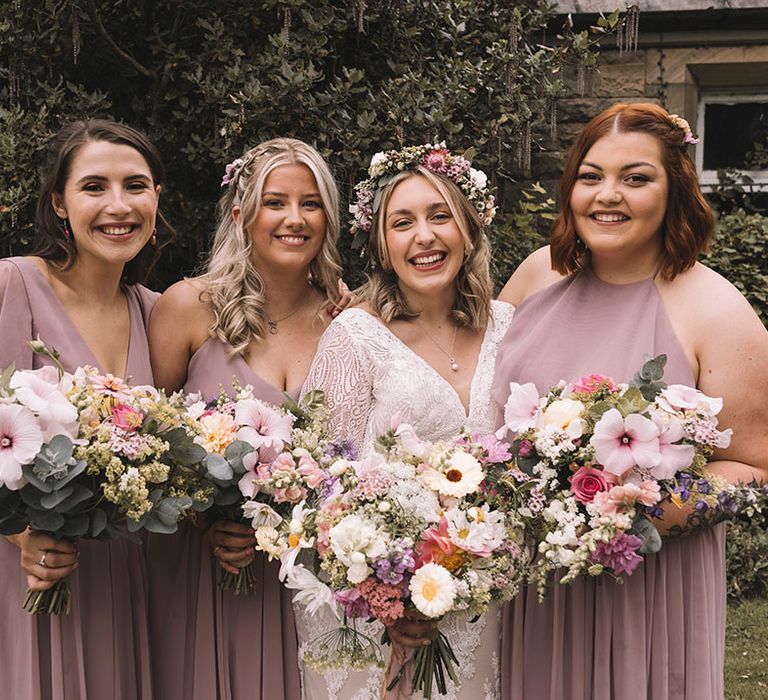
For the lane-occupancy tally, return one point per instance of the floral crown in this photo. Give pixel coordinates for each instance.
(683, 125)
(433, 157)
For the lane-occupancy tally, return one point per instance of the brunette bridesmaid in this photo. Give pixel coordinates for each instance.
(96, 216)
(255, 316)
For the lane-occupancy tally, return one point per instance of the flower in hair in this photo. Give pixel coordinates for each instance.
(231, 171)
(436, 158)
(683, 125)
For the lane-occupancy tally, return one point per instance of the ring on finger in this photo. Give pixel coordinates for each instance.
(42, 560)
(216, 549)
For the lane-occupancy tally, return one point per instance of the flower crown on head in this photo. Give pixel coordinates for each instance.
(683, 125)
(433, 157)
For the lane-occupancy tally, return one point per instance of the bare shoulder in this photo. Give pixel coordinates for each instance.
(708, 299)
(181, 310)
(532, 275)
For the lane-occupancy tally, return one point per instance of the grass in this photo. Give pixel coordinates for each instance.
(746, 651)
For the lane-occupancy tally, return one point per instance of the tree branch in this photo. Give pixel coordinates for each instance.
(93, 12)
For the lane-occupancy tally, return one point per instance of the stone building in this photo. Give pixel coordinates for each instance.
(706, 60)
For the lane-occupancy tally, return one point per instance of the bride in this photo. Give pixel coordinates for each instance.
(421, 344)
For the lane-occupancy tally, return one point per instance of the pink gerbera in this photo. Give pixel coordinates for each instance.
(20, 441)
(622, 443)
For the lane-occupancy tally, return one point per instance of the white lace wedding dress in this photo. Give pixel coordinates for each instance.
(368, 375)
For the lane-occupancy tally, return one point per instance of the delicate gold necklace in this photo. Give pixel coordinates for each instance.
(447, 353)
(272, 323)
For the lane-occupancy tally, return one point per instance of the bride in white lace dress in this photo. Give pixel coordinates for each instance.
(422, 345)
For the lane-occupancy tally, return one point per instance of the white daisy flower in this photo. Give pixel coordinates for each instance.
(433, 590)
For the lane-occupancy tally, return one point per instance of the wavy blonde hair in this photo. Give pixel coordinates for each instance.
(233, 286)
(474, 288)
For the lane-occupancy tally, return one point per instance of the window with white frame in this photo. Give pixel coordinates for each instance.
(733, 128)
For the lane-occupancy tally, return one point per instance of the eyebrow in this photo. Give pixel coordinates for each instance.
(283, 194)
(628, 166)
(102, 178)
(430, 207)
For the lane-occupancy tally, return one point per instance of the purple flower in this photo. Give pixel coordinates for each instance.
(701, 506)
(386, 573)
(353, 602)
(620, 554)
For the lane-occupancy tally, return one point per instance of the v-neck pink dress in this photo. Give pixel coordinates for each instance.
(101, 649)
(209, 644)
(661, 634)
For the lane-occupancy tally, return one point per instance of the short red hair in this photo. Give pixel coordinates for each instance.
(688, 222)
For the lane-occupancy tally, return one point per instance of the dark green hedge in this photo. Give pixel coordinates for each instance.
(207, 80)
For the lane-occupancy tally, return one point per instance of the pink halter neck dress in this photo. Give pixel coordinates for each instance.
(661, 634)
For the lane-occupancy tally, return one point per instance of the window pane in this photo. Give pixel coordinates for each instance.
(731, 132)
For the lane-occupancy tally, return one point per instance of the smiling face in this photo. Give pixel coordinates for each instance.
(424, 242)
(289, 227)
(620, 197)
(110, 200)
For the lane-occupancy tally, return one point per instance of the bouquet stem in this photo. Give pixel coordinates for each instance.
(244, 582)
(430, 664)
(55, 601)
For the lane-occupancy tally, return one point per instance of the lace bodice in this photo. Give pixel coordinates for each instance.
(369, 375)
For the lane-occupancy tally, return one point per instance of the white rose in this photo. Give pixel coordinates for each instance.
(566, 415)
(479, 178)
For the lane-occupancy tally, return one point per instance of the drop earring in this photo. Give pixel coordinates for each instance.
(66, 228)
(153, 239)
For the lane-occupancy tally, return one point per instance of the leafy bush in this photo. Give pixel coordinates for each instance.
(208, 80)
(738, 253)
(746, 558)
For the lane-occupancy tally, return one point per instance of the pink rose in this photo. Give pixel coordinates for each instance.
(592, 383)
(587, 482)
(126, 418)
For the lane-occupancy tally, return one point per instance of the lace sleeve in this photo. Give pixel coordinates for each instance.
(343, 371)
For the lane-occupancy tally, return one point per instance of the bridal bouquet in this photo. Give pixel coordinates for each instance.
(604, 458)
(262, 461)
(85, 455)
(408, 529)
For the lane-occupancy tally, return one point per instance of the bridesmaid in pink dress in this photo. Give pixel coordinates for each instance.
(619, 281)
(96, 217)
(256, 316)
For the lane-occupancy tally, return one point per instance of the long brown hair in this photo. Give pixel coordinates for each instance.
(688, 223)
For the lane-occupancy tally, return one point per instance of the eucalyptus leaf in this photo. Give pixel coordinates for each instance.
(76, 526)
(647, 532)
(46, 521)
(218, 468)
(12, 525)
(73, 471)
(183, 449)
(51, 500)
(98, 522)
(80, 493)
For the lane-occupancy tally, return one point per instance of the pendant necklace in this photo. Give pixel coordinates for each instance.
(447, 353)
(272, 324)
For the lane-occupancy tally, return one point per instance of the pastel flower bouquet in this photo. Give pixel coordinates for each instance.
(407, 529)
(88, 456)
(261, 462)
(605, 459)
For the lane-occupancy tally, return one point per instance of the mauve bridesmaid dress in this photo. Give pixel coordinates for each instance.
(209, 644)
(661, 634)
(101, 649)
